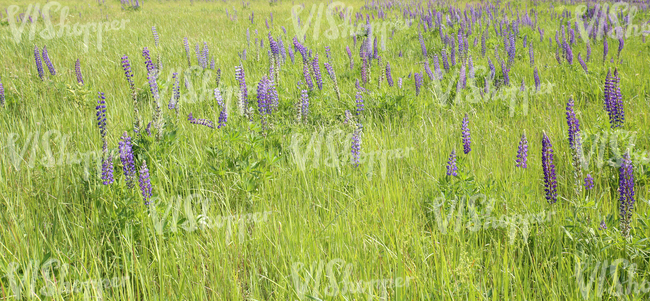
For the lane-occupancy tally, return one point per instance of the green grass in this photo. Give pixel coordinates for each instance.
(370, 223)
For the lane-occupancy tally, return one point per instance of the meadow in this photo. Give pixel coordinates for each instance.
(392, 150)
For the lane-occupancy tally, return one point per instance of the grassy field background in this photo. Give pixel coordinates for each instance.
(379, 224)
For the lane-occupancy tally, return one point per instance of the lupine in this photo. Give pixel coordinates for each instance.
(537, 81)
(492, 69)
(427, 69)
(175, 92)
(621, 43)
(462, 79)
(306, 74)
(550, 181)
(107, 170)
(602, 226)
(522, 152)
(243, 90)
(356, 146)
(470, 68)
(204, 122)
(582, 63)
(424, 47)
(316, 67)
(347, 48)
(452, 169)
(145, 182)
(506, 77)
(187, 51)
(613, 100)
(101, 115)
(569, 53)
(531, 54)
(418, 83)
(589, 182)
(466, 136)
(364, 69)
(588, 51)
(445, 64)
(155, 35)
(304, 105)
(48, 62)
(39, 64)
(348, 117)
(2, 94)
(436, 67)
(389, 76)
(360, 106)
(605, 49)
(126, 157)
(626, 193)
(452, 54)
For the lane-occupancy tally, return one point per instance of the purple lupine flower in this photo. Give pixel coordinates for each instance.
(466, 136)
(613, 99)
(626, 193)
(145, 182)
(436, 67)
(126, 157)
(588, 51)
(148, 129)
(107, 170)
(427, 69)
(304, 105)
(283, 51)
(462, 79)
(360, 106)
(187, 51)
(316, 67)
(451, 165)
(389, 76)
(582, 63)
(223, 118)
(493, 71)
(522, 152)
(48, 62)
(573, 123)
(506, 77)
(197, 51)
(348, 116)
(151, 75)
(101, 114)
(39, 64)
(537, 81)
(418, 83)
(531, 54)
(589, 182)
(452, 54)
(424, 47)
(347, 48)
(155, 35)
(605, 49)
(275, 49)
(127, 72)
(204, 55)
(557, 55)
(602, 226)
(263, 105)
(2, 94)
(356, 146)
(621, 43)
(470, 68)
(364, 69)
(176, 92)
(204, 122)
(306, 74)
(550, 181)
(445, 64)
(569, 53)
(523, 86)
(243, 90)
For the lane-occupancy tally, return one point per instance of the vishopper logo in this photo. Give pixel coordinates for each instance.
(338, 281)
(600, 17)
(195, 85)
(344, 29)
(47, 150)
(190, 222)
(445, 90)
(338, 152)
(597, 145)
(479, 209)
(54, 285)
(621, 283)
(46, 30)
